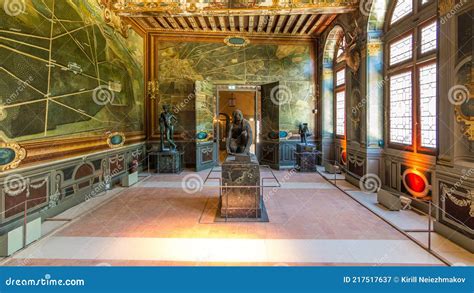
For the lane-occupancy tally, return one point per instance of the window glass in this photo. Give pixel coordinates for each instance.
(428, 38)
(402, 8)
(340, 77)
(427, 80)
(401, 108)
(401, 50)
(340, 113)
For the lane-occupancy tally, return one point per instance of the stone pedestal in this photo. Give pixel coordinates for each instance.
(169, 161)
(242, 198)
(306, 157)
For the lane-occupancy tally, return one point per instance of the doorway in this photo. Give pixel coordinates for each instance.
(231, 98)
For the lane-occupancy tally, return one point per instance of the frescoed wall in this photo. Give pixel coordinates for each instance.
(65, 72)
(181, 63)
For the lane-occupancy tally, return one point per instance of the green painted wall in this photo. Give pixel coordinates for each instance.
(64, 71)
(180, 63)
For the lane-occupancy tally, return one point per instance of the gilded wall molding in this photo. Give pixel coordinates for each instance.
(11, 155)
(236, 41)
(116, 140)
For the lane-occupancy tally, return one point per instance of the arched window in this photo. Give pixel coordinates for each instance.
(340, 89)
(412, 80)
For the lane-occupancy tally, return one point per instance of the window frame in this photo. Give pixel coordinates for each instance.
(419, 28)
(418, 60)
(396, 39)
(419, 147)
(392, 10)
(396, 145)
(340, 66)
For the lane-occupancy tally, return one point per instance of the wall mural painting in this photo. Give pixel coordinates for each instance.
(179, 64)
(462, 93)
(67, 72)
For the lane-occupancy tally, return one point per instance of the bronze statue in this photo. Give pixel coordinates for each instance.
(303, 130)
(240, 135)
(167, 121)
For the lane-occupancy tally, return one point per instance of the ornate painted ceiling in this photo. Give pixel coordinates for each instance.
(300, 18)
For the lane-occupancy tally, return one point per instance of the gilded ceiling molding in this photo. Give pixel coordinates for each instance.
(445, 6)
(225, 7)
(112, 19)
(11, 155)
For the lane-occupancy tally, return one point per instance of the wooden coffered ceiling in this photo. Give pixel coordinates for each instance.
(286, 25)
(288, 18)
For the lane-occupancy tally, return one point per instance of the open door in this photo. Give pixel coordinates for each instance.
(269, 137)
(206, 140)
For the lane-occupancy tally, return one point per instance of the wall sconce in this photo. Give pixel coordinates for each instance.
(152, 89)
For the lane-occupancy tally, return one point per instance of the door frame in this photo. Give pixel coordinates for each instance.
(228, 87)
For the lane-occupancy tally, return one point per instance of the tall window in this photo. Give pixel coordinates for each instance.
(412, 81)
(340, 103)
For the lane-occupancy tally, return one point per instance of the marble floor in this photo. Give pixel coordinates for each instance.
(414, 223)
(158, 222)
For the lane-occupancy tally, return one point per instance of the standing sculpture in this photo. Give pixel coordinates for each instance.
(303, 130)
(240, 135)
(167, 121)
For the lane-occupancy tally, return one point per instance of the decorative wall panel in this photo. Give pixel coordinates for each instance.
(180, 63)
(65, 71)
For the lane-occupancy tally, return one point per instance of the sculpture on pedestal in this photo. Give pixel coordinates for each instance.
(303, 130)
(240, 171)
(240, 135)
(167, 121)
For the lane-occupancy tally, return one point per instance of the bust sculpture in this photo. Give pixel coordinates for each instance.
(303, 130)
(167, 121)
(240, 135)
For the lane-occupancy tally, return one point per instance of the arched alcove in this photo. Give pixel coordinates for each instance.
(329, 52)
(375, 69)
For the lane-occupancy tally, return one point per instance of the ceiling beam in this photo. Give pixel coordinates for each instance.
(289, 23)
(241, 23)
(270, 23)
(173, 23)
(307, 24)
(142, 22)
(183, 23)
(222, 23)
(251, 23)
(326, 24)
(281, 19)
(232, 23)
(153, 22)
(212, 22)
(193, 23)
(262, 19)
(163, 22)
(203, 23)
(317, 24)
(299, 23)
